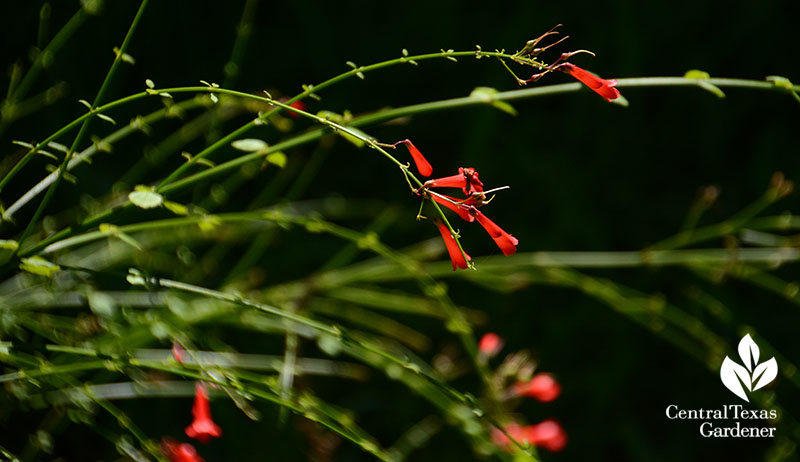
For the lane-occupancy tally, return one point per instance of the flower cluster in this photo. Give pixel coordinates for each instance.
(542, 387)
(470, 184)
(468, 181)
(603, 87)
(202, 427)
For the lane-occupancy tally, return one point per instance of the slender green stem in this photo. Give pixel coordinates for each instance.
(48, 53)
(85, 126)
(729, 226)
(87, 153)
(357, 122)
(64, 130)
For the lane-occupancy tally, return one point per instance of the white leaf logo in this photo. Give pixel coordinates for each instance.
(752, 375)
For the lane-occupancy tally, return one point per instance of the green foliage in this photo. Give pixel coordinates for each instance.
(289, 294)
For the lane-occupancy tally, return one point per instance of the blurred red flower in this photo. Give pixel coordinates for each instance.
(299, 105)
(542, 387)
(202, 428)
(548, 435)
(179, 452)
(490, 344)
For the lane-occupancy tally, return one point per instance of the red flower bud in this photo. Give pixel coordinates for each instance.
(423, 166)
(490, 344)
(542, 387)
(456, 257)
(202, 428)
(506, 242)
(602, 87)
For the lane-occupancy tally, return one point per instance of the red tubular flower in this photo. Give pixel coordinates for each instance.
(490, 344)
(602, 87)
(456, 256)
(179, 452)
(461, 209)
(203, 428)
(506, 242)
(542, 387)
(423, 166)
(548, 435)
(467, 179)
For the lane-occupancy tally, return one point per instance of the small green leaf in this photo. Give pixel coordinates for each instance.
(208, 222)
(330, 115)
(149, 83)
(277, 158)
(129, 240)
(357, 138)
(100, 144)
(145, 197)
(176, 208)
(124, 57)
(786, 84)
(38, 265)
(57, 146)
(23, 144)
(781, 82)
(712, 88)
(696, 74)
(136, 278)
(46, 154)
(106, 118)
(107, 228)
(250, 145)
(487, 95)
(505, 107)
(9, 245)
(139, 123)
(307, 88)
(702, 76)
(85, 103)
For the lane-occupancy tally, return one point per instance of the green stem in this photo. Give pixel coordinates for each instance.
(85, 126)
(357, 122)
(87, 153)
(58, 41)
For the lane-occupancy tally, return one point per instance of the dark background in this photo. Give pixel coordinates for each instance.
(585, 175)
